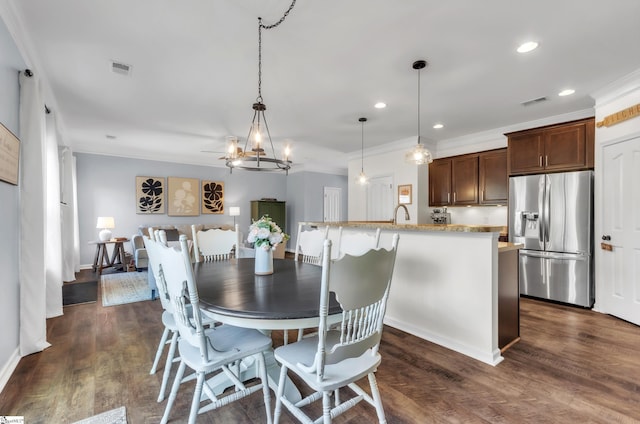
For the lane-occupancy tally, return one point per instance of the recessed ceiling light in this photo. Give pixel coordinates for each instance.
(527, 47)
(566, 92)
(438, 126)
(380, 105)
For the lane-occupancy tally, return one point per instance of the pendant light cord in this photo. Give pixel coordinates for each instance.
(362, 148)
(260, 27)
(418, 106)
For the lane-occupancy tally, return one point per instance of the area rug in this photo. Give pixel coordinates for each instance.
(124, 287)
(79, 293)
(115, 416)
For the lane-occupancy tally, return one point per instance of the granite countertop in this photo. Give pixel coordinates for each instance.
(386, 225)
(505, 247)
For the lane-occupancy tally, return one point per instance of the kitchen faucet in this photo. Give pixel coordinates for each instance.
(395, 213)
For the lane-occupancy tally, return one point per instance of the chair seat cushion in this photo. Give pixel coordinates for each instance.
(335, 376)
(232, 343)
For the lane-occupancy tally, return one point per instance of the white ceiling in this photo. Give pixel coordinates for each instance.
(194, 74)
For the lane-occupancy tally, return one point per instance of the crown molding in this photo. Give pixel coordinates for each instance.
(617, 89)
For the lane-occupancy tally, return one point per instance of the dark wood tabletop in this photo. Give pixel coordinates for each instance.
(231, 289)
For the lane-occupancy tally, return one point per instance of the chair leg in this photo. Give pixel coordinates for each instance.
(264, 378)
(375, 393)
(163, 341)
(167, 365)
(326, 408)
(278, 409)
(195, 403)
(174, 392)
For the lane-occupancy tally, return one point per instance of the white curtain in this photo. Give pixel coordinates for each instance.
(53, 225)
(33, 305)
(40, 222)
(70, 249)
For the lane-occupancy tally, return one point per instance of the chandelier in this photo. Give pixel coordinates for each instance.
(419, 155)
(254, 157)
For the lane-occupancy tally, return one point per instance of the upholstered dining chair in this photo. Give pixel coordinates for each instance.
(337, 358)
(206, 351)
(215, 244)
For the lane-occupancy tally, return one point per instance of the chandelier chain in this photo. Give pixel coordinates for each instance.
(260, 27)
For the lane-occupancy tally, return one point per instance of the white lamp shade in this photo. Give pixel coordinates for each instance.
(106, 223)
(234, 211)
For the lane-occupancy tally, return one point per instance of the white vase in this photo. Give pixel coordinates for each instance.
(264, 261)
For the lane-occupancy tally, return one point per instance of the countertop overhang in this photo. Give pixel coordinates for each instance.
(386, 225)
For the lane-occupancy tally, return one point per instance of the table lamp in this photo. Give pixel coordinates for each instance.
(234, 211)
(106, 223)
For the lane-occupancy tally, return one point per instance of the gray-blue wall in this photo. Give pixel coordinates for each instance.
(10, 64)
(106, 187)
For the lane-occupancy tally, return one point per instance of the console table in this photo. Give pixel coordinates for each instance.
(102, 259)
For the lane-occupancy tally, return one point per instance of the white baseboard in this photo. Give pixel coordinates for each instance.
(8, 368)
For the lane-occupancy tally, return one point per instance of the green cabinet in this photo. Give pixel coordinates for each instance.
(277, 210)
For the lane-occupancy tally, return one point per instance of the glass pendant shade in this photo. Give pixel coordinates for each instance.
(362, 178)
(419, 155)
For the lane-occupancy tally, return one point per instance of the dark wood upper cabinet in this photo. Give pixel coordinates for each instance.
(493, 177)
(562, 147)
(464, 180)
(440, 182)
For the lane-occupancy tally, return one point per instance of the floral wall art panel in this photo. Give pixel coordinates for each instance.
(183, 196)
(212, 197)
(150, 192)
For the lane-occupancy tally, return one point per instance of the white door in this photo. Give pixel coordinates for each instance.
(332, 204)
(620, 267)
(380, 202)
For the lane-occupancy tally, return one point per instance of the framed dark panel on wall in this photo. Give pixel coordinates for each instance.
(150, 194)
(9, 156)
(212, 197)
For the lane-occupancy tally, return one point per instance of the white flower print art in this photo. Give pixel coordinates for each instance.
(183, 196)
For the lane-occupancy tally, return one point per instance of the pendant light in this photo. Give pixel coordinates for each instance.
(419, 154)
(362, 178)
(254, 157)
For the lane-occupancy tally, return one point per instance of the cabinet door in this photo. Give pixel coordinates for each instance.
(440, 182)
(565, 147)
(276, 211)
(493, 177)
(525, 153)
(464, 179)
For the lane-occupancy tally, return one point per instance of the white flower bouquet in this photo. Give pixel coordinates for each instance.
(266, 234)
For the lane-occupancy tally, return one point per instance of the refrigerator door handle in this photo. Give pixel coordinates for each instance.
(547, 209)
(553, 255)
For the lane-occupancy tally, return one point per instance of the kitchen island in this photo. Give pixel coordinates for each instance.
(445, 285)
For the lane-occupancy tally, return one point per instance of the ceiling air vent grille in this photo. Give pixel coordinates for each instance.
(534, 101)
(120, 68)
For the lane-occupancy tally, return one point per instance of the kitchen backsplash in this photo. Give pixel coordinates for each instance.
(479, 215)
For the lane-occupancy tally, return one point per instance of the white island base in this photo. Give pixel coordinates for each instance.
(445, 284)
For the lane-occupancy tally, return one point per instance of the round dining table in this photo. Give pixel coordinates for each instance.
(230, 292)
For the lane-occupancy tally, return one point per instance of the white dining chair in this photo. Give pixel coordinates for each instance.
(170, 332)
(309, 244)
(215, 244)
(356, 243)
(337, 358)
(206, 351)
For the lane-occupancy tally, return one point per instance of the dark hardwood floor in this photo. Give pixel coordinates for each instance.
(571, 366)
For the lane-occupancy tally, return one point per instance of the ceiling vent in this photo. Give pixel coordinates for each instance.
(120, 68)
(534, 101)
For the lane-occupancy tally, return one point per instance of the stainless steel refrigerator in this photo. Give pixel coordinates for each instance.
(552, 215)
